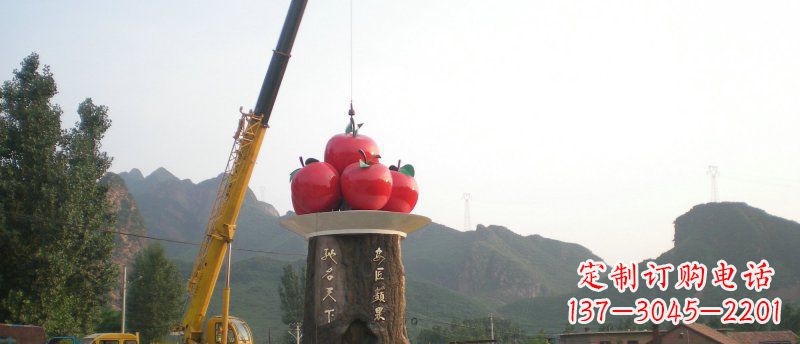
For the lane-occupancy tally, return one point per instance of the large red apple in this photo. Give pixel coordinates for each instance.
(315, 188)
(366, 185)
(297, 209)
(404, 189)
(342, 150)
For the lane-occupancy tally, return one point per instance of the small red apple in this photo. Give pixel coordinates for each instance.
(404, 189)
(315, 187)
(366, 185)
(342, 149)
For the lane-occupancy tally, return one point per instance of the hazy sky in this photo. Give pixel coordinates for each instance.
(590, 121)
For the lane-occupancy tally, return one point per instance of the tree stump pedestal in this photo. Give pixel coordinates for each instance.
(355, 282)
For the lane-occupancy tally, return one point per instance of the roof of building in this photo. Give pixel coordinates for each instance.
(763, 336)
(711, 333)
(605, 332)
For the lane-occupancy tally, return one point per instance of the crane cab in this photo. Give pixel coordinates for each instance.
(238, 331)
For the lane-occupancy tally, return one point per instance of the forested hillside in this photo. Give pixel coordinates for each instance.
(454, 275)
(450, 274)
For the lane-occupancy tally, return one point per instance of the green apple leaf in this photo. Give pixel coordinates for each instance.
(291, 175)
(311, 161)
(362, 164)
(349, 128)
(407, 169)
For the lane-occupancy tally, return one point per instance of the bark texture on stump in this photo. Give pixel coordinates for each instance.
(355, 290)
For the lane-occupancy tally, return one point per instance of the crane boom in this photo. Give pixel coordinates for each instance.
(228, 201)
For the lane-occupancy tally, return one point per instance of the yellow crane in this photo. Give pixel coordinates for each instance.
(225, 210)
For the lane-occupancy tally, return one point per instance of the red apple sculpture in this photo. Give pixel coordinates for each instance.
(315, 187)
(366, 185)
(297, 209)
(342, 149)
(404, 189)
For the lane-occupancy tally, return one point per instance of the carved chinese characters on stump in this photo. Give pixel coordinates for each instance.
(355, 290)
(355, 282)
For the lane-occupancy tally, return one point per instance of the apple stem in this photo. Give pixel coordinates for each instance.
(352, 113)
(398, 164)
(302, 163)
(364, 155)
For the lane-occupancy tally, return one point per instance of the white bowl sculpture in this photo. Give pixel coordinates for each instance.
(355, 222)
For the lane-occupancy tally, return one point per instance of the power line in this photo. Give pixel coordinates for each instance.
(198, 244)
(763, 180)
(771, 178)
(143, 236)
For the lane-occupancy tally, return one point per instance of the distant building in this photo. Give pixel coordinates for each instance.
(695, 333)
(765, 337)
(606, 337)
(681, 334)
(21, 334)
(702, 334)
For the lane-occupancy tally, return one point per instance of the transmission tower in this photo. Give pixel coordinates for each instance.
(713, 172)
(467, 224)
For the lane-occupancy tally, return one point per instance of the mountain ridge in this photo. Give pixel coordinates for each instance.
(733, 231)
(466, 272)
(458, 275)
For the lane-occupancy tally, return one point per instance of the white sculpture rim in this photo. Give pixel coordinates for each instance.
(353, 222)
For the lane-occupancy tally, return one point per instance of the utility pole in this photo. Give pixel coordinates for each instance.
(713, 172)
(262, 191)
(124, 294)
(491, 325)
(467, 224)
(296, 334)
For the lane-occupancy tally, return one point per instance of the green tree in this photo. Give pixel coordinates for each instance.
(569, 328)
(475, 329)
(292, 292)
(110, 321)
(434, 335)
(154, 295)
(57, 268)
(791, 318)
(540, 338)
